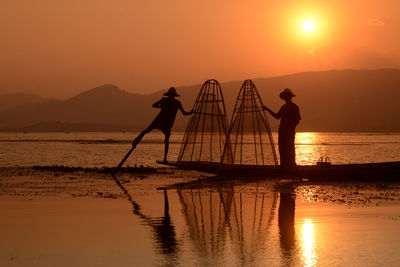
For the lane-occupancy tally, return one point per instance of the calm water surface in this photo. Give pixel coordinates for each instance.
(107, 149)
(82, 219)
(206, 224)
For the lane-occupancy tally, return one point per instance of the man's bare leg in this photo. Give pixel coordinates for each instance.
(166, 141)
(140, 136)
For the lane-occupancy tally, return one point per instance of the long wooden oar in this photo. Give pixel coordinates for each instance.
(123, 161)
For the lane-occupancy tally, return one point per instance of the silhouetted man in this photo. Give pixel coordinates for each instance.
(165, 119)
(289, 115)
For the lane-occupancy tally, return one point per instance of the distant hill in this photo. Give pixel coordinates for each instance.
(69, 127)
(346, 100)
(15, 100)
(104, 105)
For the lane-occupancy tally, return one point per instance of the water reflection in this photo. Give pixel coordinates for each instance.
(233, 224)
(309, 256)
(287, 232)
(307, 152)
(307, 138)
(162, 228)
(227, 220)
(206, 215)
(240, 224)
(286, 220)
(227, 224)
(222, 221)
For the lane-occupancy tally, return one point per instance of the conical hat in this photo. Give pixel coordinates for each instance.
(288, 91)
(171, 92)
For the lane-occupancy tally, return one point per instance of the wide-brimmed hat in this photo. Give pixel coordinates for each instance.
(171, 92)
(287, 91)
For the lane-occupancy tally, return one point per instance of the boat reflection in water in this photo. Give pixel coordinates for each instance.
(221, 222)
(233, 225)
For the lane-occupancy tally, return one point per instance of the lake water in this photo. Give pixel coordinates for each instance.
(51, 218)
(80, 219)
(107, 149)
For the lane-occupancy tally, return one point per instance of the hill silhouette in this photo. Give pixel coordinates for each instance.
(346, 100)
(15, 100)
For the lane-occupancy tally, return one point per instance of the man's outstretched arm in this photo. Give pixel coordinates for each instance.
(184, 112)
(273, 114)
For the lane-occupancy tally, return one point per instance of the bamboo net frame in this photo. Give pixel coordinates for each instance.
(249, 133)
(205, 137)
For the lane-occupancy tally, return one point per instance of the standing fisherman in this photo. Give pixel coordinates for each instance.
(165, 119)
(289, 115)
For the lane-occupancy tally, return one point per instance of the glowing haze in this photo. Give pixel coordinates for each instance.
(59, 48)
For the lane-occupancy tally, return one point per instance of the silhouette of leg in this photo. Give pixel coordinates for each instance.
(291, 152)
(140, 136)
(166, 141)
(282, 150)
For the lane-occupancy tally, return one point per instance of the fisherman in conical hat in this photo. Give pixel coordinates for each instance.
(289, 115)
(165, 119)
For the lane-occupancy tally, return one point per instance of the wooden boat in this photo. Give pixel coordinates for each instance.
(362, 171)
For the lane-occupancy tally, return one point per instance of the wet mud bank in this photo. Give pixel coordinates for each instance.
(53, 181)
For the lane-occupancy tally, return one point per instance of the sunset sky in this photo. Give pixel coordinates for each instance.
(62, 47)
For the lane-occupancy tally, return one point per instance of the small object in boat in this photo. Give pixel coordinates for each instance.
(321, 162)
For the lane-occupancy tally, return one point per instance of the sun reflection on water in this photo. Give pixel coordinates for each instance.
(308, 150)
(306, 138)
(309, 256)
(305, 151)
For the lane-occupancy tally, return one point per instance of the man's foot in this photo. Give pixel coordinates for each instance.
(165, 160)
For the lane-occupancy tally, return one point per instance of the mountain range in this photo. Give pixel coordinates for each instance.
(336, 100)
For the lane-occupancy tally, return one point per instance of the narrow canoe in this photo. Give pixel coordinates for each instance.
(382, 170)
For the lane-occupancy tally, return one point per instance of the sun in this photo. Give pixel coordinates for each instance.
(308, 26)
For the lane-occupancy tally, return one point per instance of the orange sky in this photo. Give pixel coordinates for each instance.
(62, 47)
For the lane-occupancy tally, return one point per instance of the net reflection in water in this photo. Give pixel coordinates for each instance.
(222, 222)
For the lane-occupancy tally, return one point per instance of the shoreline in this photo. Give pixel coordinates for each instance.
(70, 169)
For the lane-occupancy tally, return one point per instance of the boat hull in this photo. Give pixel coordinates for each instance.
(384, 170)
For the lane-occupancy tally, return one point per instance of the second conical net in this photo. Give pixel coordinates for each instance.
(206, 133)
(249, 132)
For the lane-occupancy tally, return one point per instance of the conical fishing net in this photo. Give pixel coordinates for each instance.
(250, 135)
(205, 136)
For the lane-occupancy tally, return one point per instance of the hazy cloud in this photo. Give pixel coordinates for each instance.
(315, 48)
(376, 22)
